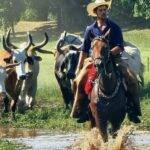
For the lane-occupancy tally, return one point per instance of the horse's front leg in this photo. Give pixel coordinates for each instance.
(92, 119)
(101, 123)
(93, 108)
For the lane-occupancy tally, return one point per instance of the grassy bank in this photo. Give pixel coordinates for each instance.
(6, 145)
(49, 112)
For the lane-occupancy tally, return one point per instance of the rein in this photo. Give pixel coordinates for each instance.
(100, 92)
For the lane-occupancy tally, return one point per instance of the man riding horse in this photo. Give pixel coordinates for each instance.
(104, 26)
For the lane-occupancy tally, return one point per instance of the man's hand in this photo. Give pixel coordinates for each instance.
(88, 62)
(116, 50)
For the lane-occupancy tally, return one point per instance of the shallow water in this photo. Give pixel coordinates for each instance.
(45, 140)
(140, 140)
(39, 139)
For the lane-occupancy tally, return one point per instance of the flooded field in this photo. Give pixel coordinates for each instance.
(45, 140)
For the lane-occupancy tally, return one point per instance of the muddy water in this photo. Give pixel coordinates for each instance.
(45, 140)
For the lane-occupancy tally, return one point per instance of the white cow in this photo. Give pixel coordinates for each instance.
(29, 88)
(133, 58)
(15, 79)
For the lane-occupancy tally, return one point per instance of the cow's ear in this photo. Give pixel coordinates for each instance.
(38, 58)
(30, 60)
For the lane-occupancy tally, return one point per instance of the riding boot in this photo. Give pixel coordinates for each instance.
(131, 110)
(133, 92)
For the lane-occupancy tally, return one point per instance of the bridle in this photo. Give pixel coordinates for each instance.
(105, 62)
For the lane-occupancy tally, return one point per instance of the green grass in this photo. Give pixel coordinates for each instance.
(50, 112)
(6, 145)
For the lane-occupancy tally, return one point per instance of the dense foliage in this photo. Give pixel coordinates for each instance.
(68, 14)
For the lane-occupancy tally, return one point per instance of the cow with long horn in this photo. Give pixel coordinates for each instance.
(67, 54)
(14, 80)
(29, 88)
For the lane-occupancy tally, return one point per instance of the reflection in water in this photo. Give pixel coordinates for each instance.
(16, 133)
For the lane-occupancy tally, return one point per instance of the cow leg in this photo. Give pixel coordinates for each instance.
(1, 104)
(31, 93)
(13, 108)
(6, 104)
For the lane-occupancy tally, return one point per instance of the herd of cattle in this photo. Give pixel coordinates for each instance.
(18, 80)
(19, 69)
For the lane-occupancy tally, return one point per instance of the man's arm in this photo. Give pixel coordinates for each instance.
(116, 50)
(85, 50)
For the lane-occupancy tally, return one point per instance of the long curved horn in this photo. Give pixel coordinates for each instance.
(42, 44)
(29, 42)
(58, 48)
(37, 48)
(8, 40)
(59, 43)
(64, 34)
(45, 51)
(5, 46)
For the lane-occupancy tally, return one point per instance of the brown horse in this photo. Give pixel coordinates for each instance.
(107, 99)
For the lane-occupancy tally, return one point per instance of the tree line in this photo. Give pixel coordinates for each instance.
(67, 13)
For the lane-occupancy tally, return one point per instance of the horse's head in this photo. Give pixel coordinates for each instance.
(101, 55)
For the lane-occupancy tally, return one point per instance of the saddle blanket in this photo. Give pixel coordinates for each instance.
(89, 78)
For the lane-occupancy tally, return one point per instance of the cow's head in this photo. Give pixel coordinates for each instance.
(69, 64)
(67, 39)
(19, 55)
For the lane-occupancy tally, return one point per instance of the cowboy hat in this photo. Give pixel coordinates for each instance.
(97, 3)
